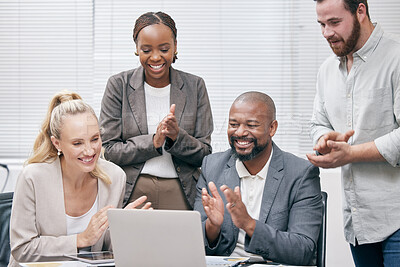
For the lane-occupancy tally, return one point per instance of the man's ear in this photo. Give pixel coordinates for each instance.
(361, 12)
(273, 127)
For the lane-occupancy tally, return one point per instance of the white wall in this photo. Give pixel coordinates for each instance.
(338, 250)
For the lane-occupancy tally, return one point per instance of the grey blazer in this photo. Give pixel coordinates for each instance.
(291, 208)
(38, 227)
(126, 139)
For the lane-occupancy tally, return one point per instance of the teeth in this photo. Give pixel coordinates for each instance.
(87, 159)
(156, 67)
(243, 143)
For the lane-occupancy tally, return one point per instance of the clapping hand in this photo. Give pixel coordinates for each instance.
(97, 225)
(139, 202)
(240, 217)
(170, 126)
(334, 148)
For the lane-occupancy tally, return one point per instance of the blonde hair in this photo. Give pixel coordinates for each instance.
(63, 104)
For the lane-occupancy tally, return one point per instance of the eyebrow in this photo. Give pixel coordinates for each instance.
(247, 121)
(148, 45)
(81, 139)
(331, 19)
(254, 121)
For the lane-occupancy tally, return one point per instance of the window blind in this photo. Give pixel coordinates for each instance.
(272, 46)
(45, 47)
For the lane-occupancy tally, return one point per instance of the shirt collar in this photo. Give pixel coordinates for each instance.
(243, 172)
(369, 47)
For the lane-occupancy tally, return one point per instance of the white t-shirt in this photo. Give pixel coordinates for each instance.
(76, 225)
(157, 108)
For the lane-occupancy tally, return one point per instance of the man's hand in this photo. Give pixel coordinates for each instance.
(238, 211)
(342, 153)
(214, 209)
(339, 155)
(322, 144)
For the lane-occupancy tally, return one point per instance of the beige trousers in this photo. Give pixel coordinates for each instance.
(163, 193)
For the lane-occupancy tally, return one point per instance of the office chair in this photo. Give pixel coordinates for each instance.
(7, 176)
(5, 212)
(321, 244)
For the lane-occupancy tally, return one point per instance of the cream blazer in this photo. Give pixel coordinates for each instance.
(38, 227)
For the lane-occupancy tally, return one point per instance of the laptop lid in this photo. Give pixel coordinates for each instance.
(156, 238)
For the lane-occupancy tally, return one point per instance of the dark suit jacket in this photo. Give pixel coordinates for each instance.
(126, 139)
(291, 209)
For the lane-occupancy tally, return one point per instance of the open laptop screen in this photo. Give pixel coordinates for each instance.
(156, 238)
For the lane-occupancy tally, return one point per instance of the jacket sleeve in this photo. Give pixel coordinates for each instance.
(226, 239)
(136, 149)
(27, 242)
(193, 148)
(296, 245)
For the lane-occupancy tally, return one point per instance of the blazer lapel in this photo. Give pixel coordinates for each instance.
(58, 196)
(231, 179)
(103, 192)
(137, 100)
(231, 176)
(177, 95)
(273, 180)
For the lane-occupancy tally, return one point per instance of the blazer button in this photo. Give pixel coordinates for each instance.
(178, 169)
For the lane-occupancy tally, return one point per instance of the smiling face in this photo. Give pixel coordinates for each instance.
(156, 47)
(339, 27)
(250, 130)
(79, 142)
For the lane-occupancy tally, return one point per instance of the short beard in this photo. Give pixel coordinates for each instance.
(351, 43)
(254, 152)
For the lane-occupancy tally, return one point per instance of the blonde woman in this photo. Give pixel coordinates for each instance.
(63, 193)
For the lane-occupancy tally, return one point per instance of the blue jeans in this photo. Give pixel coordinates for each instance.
(381, 254)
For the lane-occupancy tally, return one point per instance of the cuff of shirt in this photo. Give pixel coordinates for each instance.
(388, 149)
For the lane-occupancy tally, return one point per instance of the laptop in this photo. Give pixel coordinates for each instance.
(156, 238)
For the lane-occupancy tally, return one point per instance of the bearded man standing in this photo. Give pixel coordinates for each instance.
(255, 199)
(355, 125)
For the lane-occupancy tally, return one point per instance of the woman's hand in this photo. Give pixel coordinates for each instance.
(170, 126)
(139, 202)
(97, 225)
(159, 136)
